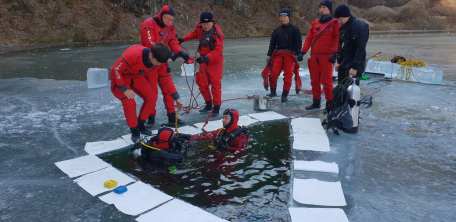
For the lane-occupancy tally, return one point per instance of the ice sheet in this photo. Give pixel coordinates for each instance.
(246, 120)
(178, 210)
(189, 69)
(316, 166)
(315, 192)
(81, 165)
(211, 125)
(93, 183)
(138, 199)
(422, 74)
(317, 214)
(308, 134)
(95, 148)
(267, 116)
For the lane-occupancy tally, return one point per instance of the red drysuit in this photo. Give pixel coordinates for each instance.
(210, 73)
(268, 69)
(324, 41)
(152, 31)
(130, 72)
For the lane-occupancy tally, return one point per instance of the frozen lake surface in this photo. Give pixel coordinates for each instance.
(399, 167)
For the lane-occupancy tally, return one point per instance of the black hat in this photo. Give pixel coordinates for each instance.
(342, 11)
(206, 17)
(286, 12)
(327, 3)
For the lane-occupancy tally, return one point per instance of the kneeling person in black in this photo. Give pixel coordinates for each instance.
(162, 148)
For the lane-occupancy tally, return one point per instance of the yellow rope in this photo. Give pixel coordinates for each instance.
(177, 115)
(405, 72)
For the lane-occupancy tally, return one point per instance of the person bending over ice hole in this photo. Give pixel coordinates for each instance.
(323, 39)
(284, 48)
(210, 72)
(163, 148)
(229, 138)
(128, 76)
(161, 29)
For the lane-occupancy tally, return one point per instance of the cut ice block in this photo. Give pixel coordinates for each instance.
(421, 74)
(189, 69)
(317, 214)
(97, 78)
(315, 192)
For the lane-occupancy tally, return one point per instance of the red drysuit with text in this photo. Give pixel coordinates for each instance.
(131, 71)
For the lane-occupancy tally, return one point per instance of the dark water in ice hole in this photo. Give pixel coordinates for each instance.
(246, 186)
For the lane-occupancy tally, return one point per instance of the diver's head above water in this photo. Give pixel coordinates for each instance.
(230, 119)
(164, 138)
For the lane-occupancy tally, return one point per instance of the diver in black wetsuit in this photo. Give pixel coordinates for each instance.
(162, 148)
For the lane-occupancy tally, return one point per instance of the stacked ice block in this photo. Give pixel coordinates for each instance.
(97, 78)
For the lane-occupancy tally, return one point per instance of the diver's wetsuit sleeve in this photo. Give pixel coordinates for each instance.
(309, 38)
(121, 66)
(360, 52)
(239, 144)
(209, 136)
(336, 32)
(166, 81)
(147, 30)
(297, 40)
(272, 43)
(192, 35)
(340, 57)
(173, 42)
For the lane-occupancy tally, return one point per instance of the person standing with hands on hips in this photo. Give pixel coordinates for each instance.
(284, 48)
(354, 34)
(210, 72)
(323, 40)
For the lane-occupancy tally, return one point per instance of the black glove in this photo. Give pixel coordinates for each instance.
(219, 144)
(333, 58)
(301, 56)
(184, 136)
(181, 40)
(183, 55)
(268, 59)
(173, 56)
(296, 58)
(202, 59)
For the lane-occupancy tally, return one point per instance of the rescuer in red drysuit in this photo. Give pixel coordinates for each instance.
(210, 72)
(129, 75)
(230, 137)
(161, 29)
(284, 48)
(323, 40)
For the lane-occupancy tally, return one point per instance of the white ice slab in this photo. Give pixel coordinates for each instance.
(316, 166)
(317, 214)
(315, 192)
(267, 116)
(246, 120)
(211, 125)
(178, 210)
(422, 74)
(189, 130)
(97, 78)
(95, 148)
(81, 165)
(139, 198)
(308, 134)
(93, 183)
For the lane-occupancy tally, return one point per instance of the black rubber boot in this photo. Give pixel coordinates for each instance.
(328, 106)
(150, 121)
(215, 111)
(315, 105)
(172, 119)
(142, 129)
(273, 93)
(207, 108)
(135, 134)
(284, 96)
